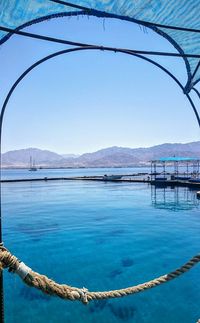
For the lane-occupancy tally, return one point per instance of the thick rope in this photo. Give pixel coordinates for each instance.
(50, 287)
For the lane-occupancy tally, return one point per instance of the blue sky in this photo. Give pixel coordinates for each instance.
(89, 100)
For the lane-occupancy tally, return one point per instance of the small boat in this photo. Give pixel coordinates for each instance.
(194, 180)
(111, 177)
(32, 168)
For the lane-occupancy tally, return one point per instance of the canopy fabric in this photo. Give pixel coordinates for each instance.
(177, 159)
(17, 14)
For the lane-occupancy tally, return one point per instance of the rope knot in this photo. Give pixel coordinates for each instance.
(83, 294)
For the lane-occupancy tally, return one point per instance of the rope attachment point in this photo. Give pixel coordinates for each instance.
(22, 270)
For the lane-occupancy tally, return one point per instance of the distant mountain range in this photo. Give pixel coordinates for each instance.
(108, 157)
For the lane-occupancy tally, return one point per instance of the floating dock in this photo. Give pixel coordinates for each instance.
(87, 178)
(160, 183)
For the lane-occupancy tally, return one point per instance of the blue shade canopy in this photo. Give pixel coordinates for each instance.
(17, 14)
(177, 159)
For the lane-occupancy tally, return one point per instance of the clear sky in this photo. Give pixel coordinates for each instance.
(89, 100)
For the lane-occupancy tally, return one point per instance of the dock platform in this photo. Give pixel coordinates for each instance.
(160, 183)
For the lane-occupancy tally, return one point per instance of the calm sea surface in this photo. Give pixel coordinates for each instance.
(102, 235)
(41, 173)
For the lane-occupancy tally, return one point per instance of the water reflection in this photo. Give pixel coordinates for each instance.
(174, 198)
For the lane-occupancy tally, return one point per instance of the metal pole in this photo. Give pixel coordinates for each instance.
(164, 172)
(164, 196)
(174, 169)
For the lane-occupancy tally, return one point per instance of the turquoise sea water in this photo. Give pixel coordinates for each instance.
(102, 236)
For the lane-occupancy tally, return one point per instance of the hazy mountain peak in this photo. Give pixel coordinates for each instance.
(107, 157)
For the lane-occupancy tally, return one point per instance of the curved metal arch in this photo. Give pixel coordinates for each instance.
(37, 64)
(65, 51)
(97, 13)
(196, 91)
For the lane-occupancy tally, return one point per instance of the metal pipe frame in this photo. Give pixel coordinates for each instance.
(26, 72)
(73, 43)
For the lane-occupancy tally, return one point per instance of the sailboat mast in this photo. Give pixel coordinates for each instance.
(30, 162)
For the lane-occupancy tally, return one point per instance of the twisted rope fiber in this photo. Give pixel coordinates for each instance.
(50, 287)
